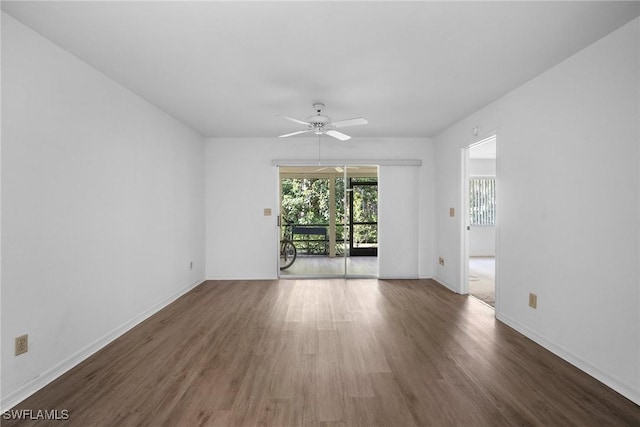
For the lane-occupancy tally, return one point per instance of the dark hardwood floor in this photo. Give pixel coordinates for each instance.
(328, 353)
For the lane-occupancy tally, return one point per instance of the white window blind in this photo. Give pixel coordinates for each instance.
(482, 201)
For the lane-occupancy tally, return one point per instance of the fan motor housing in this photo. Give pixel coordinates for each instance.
(319, 120)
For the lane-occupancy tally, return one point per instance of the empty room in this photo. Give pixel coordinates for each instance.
(317, 213)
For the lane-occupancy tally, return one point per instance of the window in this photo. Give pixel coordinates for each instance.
(482, 201)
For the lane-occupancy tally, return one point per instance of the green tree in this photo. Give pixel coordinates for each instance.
(305, 201)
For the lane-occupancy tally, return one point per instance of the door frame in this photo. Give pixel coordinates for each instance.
(280, 162)
(465, 219)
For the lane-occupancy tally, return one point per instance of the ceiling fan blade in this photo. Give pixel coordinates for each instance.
(336, 168)
(296, 120)
(350, 122)
(295, 133)
(338, 135)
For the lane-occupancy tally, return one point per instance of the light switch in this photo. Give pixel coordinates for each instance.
(452, 211)
(533, 300)
(267, 211)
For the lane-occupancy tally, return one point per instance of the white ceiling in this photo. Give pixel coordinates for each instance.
(411, 68)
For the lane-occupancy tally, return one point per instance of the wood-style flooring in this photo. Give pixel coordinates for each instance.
(328, 353)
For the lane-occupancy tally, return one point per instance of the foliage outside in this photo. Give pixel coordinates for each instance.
(305, 201)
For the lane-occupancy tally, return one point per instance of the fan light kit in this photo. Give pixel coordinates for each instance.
(320, 124)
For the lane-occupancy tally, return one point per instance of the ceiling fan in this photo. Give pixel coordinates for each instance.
(320, 124)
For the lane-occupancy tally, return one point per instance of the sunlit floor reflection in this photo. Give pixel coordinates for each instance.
(361, 266)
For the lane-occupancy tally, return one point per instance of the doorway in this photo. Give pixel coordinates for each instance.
(329, 214)
(480, 219)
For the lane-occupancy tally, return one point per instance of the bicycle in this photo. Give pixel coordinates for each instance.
(288, 252)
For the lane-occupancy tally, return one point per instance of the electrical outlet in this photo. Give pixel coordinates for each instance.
(533, 300)
(441, 261)
(22, 344)
(191, 265)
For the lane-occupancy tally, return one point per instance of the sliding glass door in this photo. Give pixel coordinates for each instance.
(361, 222)
(363, 216)
(328, 214)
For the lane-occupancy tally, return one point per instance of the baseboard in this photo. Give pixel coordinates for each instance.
(240, 278)
(446, 285)
(624, 389)
(50, 375)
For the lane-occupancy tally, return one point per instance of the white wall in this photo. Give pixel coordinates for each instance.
(482, 167)
(482, 240)
(568, 214)
(102, 209)
(241, 182)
